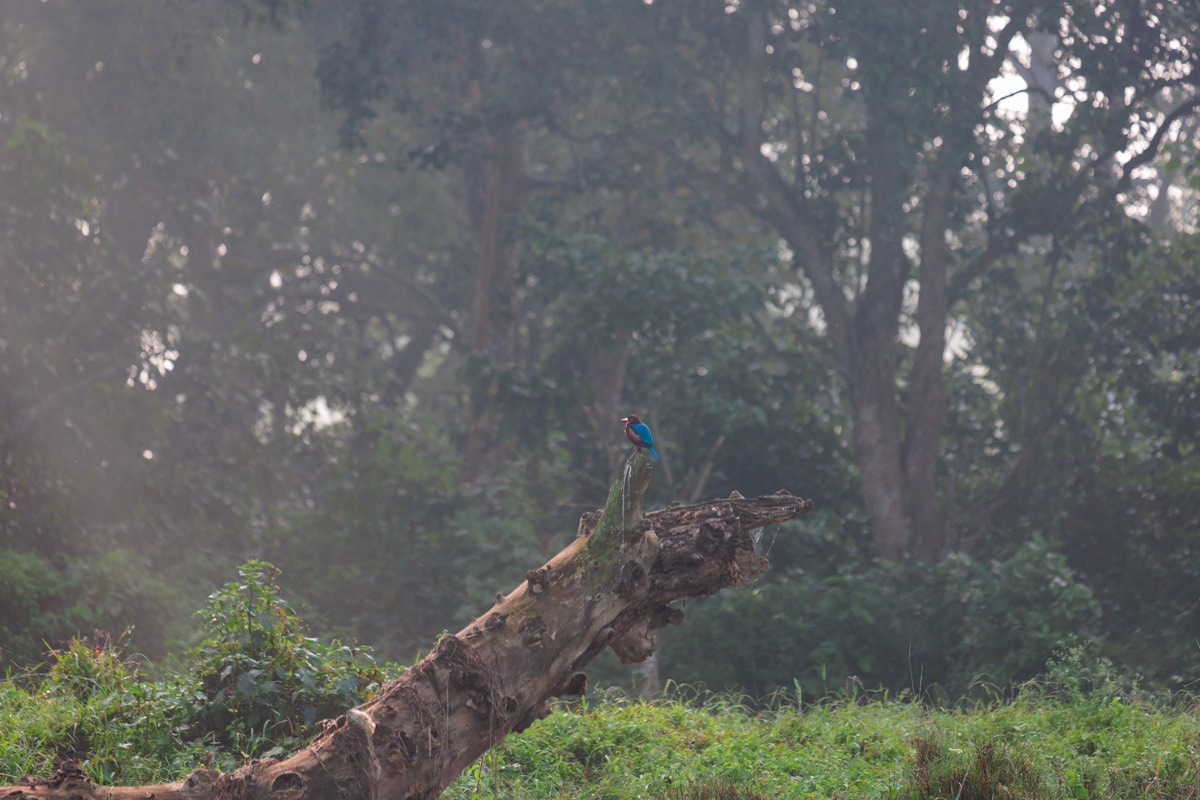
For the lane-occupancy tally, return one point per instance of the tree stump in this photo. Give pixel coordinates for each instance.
(611, 587)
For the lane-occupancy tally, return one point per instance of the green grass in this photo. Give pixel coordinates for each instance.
(1033, 747)
(697, 748)
(257, 686)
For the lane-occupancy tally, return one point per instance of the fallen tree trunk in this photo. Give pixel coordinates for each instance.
(611, 587)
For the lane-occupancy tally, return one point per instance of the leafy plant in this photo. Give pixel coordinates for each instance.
(261, 683)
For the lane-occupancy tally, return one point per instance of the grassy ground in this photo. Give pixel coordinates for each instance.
(711, 748)
(257, 686)
(1036, 747)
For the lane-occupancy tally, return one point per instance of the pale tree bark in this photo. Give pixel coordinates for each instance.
(611, 587)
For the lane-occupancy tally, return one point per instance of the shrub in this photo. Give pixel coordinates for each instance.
(908, 629)
(45, 605)
(259, 684)
(29, 591)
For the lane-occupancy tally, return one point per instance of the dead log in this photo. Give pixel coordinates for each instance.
(611, 587)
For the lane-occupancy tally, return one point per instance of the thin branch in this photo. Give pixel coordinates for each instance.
(1151, 149)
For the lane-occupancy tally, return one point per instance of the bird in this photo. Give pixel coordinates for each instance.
(639, 434)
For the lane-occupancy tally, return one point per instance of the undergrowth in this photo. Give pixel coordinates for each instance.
(257, 685)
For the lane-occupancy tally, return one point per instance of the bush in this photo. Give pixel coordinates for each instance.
(1012, 615)
(30, 589)
(940, 629)
(44, 605)
(258, 683)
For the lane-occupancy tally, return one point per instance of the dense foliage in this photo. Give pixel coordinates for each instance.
(258, 677)
(257, 684)
(362, 289)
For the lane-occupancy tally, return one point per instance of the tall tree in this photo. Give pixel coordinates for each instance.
(193, 289)
(875, 140)
(880, 143)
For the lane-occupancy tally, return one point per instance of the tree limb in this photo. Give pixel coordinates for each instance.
(611, 587)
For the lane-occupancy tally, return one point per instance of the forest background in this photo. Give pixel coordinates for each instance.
(362, 288)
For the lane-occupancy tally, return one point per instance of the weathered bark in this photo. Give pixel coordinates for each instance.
(611, 587)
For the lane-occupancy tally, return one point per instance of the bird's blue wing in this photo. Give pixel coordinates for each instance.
(643, 433)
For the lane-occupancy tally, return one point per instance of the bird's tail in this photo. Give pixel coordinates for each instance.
(654, 453)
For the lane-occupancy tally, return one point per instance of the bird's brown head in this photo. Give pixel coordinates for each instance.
(632, 419)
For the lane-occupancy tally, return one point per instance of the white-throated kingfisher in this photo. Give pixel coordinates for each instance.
(639, 433)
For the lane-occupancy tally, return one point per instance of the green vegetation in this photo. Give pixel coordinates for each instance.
(258, 686)
(1050, 742)
(361, 288)
(1077, 733)
(943, 633)
(260, 683)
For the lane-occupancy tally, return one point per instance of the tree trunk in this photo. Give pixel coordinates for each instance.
(611, 587)
(874, 364)
(495, 175)
(926, 414)
(605, 369)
